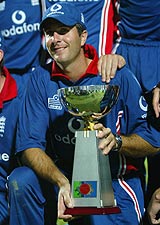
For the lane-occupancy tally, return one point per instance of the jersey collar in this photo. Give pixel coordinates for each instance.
(9, 90)
(91, 53)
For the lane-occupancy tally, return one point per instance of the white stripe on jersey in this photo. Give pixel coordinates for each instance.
(104, 28)
(132, 194)
(35, 2)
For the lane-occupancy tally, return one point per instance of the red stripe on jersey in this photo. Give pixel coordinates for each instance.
(107, 28)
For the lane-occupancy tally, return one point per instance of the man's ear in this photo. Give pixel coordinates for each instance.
(84, 36)
(1, 54)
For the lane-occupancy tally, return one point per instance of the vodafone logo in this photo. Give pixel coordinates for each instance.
(56, 7)
(20, 25)
(4, 157)
(74, 124)
(144, 106)
(142, 103)
(18, 17)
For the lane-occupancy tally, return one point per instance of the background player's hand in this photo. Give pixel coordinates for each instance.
(156, 101)
(154, 208)
(108, 65)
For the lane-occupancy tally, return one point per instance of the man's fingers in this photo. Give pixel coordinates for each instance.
(108, 65)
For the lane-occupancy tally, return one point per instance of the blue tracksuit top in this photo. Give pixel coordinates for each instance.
(42, 114)
(140, 19)
(10, 100)
(20, 28)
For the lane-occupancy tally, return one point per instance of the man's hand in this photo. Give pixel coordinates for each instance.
(108, 65)
(64, 201)
(107, 139)
(156, 100)
(154, 207)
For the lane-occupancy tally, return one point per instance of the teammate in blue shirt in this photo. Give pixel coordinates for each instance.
(139, 32)
(42, 117)
(154, 204)
(20, 28)
(139, 44)
(10, 97)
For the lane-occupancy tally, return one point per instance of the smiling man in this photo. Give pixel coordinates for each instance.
(46, 132)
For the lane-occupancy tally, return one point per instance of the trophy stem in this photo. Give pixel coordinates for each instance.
(92, 190)
(88, 125)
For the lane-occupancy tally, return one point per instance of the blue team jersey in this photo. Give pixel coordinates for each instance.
(10, 99)
(43, 114)
(98, 16)
(140, 19)
(20, 27)
(139, 44)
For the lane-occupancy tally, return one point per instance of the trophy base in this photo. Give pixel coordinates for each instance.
(78, 211)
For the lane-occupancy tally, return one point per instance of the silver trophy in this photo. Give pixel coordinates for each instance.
(92, 191)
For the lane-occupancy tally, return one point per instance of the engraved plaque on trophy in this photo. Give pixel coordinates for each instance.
(92, 191)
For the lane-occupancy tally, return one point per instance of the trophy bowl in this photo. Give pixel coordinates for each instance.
(90, 102)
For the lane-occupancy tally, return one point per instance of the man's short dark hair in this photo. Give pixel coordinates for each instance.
(79, 28)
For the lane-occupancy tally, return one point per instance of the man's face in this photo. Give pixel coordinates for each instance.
(63, 42)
